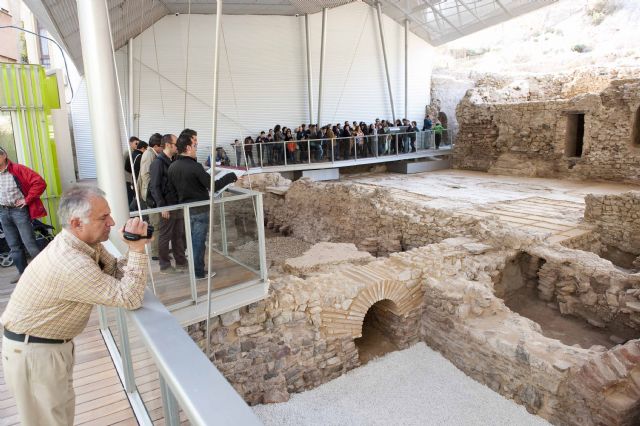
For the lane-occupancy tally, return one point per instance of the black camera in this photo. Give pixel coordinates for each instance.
(135, 237)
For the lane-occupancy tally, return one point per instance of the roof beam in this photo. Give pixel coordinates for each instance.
(468, 9)
(408, 15)
(507, 11)
(444, 18)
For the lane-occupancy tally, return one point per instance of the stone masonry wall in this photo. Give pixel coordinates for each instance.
(528, 138)
(589, 287)
(303, 334)
(367, 217)
(616, 219)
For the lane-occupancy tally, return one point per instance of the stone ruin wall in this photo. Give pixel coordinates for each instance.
(368, 217)
(448, 292)
(616, 219)
(303, 334)
(527, 135)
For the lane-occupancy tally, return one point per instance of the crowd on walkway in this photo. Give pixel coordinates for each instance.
(332, 142)
(166, 172)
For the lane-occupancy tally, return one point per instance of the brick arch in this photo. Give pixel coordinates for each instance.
(347, 320)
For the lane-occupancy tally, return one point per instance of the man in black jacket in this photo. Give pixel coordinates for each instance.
(191, 183)
(171, 226)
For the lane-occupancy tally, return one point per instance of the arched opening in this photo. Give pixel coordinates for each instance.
(442, 117)
(379, 331)
(635, 135)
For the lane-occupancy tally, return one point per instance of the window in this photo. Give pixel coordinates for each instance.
(575, 135)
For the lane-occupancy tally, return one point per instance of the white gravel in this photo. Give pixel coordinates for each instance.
(417, 386)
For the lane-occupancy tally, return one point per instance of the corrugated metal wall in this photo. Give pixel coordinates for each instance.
(85, 156)
(263, 73)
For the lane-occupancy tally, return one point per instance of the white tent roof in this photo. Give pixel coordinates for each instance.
(436, 21)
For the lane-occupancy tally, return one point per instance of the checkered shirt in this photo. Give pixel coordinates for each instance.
(57, 291)
(9, 191)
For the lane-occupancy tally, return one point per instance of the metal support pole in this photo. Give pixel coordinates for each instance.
(214, 132)
(223, 231)
(384, 54)
(406, 68)
(192, 268)
(323, 44)
(309, 76)
(125, 351)
(104, 109)
(261, 238)
(130, 85)
(169, 404)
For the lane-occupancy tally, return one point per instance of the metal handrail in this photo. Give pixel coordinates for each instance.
(202, 392)
(188, 379)
(330, 150)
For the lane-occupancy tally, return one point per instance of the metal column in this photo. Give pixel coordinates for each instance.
(104, 108)
(406, 68)
(384, 54)
(322, 50)
(214, 133)
(130, 85)
(309, 77)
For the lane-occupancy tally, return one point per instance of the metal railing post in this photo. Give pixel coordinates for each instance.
(261, 238)
(355, 149)
(125, 351)
(223, 231)
(190, 260)
(169, 404)
(261, 163)
(309, 150)
(102, 316)
(332, 142)
(284, 150)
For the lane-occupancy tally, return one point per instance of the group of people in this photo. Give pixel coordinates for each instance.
(166, 172)
(341, 141)
(57, 290)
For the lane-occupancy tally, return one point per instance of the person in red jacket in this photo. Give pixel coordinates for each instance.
(20, 191)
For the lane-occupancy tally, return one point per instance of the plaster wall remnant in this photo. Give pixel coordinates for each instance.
(506, 133)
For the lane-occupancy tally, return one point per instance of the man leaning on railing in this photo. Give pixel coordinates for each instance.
(53, 300)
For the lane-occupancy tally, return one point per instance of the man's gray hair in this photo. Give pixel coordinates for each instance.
(76, 202)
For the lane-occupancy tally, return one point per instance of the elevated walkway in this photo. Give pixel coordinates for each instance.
(328, 164)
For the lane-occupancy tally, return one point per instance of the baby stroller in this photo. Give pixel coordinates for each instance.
(5, 251)
(43, 232)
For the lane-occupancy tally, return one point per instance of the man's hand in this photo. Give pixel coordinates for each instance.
(165, 214)
(21, 203)
(139, 227)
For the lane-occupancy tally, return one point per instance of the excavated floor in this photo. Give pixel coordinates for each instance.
(569, 330)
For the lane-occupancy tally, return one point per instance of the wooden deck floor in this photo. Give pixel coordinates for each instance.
(100, 397)
(174, 288)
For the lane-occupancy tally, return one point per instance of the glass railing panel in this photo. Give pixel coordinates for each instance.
(235, 253)
(169, 272)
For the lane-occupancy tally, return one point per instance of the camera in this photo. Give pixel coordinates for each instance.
(135, 237)
(177, 14)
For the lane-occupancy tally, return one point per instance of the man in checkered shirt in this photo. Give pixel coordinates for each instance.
(53, 301)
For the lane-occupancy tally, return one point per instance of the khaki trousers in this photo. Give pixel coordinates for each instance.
(40, 378)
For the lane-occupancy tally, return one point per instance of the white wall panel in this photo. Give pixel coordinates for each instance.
(263, 77)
